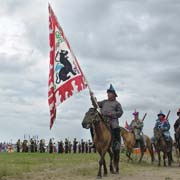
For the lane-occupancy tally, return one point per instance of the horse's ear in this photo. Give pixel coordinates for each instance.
(92, 109)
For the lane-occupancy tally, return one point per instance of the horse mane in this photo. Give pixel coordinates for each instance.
(124, 129)
(102, 120)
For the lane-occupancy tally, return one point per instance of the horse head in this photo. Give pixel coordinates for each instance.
(122, 131)
(158, 133)
(90, 117)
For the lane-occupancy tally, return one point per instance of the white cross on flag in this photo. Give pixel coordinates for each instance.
(65, 74)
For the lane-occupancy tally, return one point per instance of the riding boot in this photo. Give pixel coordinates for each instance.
(116, 138)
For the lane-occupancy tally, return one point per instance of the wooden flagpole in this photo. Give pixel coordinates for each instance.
(92, 95)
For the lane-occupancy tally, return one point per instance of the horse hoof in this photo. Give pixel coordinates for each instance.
(98, 177)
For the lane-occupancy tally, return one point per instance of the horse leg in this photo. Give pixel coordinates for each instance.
(164, 157)
(179, 157)
(105, 168)
(111, 167)
(128, 154)
(169, 158)
(151, 154)
(101, 161)
(116, 160)
(150, 148)
(159, 158)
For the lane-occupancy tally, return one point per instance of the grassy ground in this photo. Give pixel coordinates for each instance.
(17, 164)
(38, 166)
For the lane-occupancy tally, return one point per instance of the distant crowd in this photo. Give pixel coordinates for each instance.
(42, 146)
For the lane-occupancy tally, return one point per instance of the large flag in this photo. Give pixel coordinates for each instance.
(65, 74)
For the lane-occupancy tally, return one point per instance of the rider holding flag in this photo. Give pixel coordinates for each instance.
(111, 110)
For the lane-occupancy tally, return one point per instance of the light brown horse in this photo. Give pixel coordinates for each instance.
(130, 142)
(102, 140)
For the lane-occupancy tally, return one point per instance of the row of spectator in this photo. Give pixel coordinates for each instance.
(65, 146)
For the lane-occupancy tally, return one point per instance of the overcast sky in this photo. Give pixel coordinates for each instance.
(135, 45)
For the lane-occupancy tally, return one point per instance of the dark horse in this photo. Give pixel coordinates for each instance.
(130, 142)
(102, 140)
(161, 145)
(178, 144)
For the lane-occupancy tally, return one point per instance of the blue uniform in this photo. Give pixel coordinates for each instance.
(164, 126)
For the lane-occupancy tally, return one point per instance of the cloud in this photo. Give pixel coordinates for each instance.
(133, 45)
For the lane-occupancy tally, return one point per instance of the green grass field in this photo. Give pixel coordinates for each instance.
(17, 164)
(37, 166)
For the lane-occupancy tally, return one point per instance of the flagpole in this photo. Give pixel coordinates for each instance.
(92, 96)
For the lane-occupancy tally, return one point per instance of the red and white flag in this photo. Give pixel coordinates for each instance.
(65, 74)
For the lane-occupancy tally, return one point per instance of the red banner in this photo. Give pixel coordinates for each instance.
(65, 74)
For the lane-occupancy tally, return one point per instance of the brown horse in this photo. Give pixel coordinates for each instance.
(102, 139)
(177, 146)
(130, 142)
(161, 145)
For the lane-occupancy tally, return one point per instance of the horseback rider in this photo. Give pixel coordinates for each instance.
(136, 127)
(177, 126)
(163, 124)
(111, 110)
